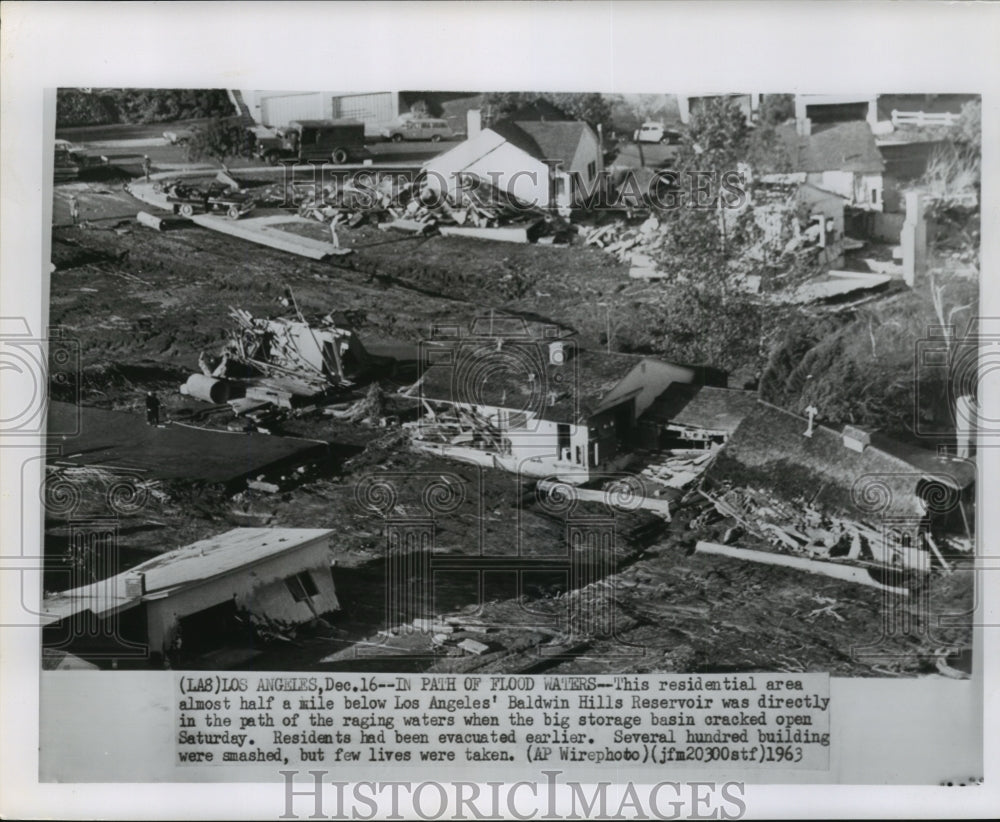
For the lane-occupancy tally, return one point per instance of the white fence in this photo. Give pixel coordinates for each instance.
(923, 118)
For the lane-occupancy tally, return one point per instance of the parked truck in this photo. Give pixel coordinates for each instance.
(336, 141)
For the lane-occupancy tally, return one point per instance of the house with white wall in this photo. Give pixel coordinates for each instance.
(842, 158)
(537, 408)
(194, 598)
(544, 164)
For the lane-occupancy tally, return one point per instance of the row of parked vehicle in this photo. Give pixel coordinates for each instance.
(338, 141)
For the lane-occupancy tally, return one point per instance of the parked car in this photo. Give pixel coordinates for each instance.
(188, 199)
(178, 136)
(71, 159)
(337, 141)
(419, 128)
(653, 132)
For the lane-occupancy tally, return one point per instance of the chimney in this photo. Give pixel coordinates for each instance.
(135, 585)
(473, 121)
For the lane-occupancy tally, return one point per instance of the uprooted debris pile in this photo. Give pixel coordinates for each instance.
(277, 361)
(417, 207)
(804, 529)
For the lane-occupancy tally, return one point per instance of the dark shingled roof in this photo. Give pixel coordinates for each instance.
(702, 406)
(557, 141)
(843, 147)
(768, 451)
(479, 373)
(543, 139)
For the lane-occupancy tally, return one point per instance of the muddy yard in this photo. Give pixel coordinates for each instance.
(143, 305)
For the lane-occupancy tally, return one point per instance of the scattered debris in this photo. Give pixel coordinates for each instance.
(280, 359)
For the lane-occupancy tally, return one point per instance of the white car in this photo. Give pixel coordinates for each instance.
(655, 133)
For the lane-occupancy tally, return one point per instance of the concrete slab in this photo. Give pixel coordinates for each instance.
(264, 231)
(261, 230)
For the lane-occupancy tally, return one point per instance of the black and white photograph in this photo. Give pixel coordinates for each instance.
(513, 381)
(560, 409)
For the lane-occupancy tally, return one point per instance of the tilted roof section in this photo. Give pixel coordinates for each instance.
(702, 406)
(520, 377)
(842, 147)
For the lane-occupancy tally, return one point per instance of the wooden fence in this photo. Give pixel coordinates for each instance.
(923, 118)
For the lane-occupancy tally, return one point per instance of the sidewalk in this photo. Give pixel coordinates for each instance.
(263, 230)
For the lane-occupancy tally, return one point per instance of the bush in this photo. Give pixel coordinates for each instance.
(76, 108)
(124, 105)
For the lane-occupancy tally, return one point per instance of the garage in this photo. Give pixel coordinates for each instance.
(378, 107)
(280, 110)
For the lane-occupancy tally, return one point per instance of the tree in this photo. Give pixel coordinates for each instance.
(592, 108)
(138, 105)
(220, 139)
(716, 137)
(776, 109)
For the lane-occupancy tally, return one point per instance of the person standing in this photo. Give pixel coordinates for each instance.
(74, 209)
(147, 166)
(152, 409)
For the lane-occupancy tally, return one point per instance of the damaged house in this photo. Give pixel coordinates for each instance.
(841, 158)
(798, 217)
(281, 358)
(850, 494)
(543, 164)
(538, 408)
(224, 590)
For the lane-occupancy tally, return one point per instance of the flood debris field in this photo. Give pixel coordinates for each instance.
(143, 306)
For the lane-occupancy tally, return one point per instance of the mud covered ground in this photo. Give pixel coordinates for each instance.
(142, 305)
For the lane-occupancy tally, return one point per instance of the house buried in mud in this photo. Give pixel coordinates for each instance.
(198, 599)
(849, 494)
(538, 408)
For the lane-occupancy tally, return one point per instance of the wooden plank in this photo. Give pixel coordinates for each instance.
(847, 573)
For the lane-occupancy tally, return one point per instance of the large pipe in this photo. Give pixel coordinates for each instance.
(209, 389)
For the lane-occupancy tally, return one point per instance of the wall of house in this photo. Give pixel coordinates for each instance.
(500, 163)
(831, 207)
(856, 187)
(260, 589)
(839, 182)
(588, 156)
(868, 191)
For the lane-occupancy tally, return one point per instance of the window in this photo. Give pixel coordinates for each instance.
(562, 438)
(591, 170)
(874, 196)
(301, 586)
